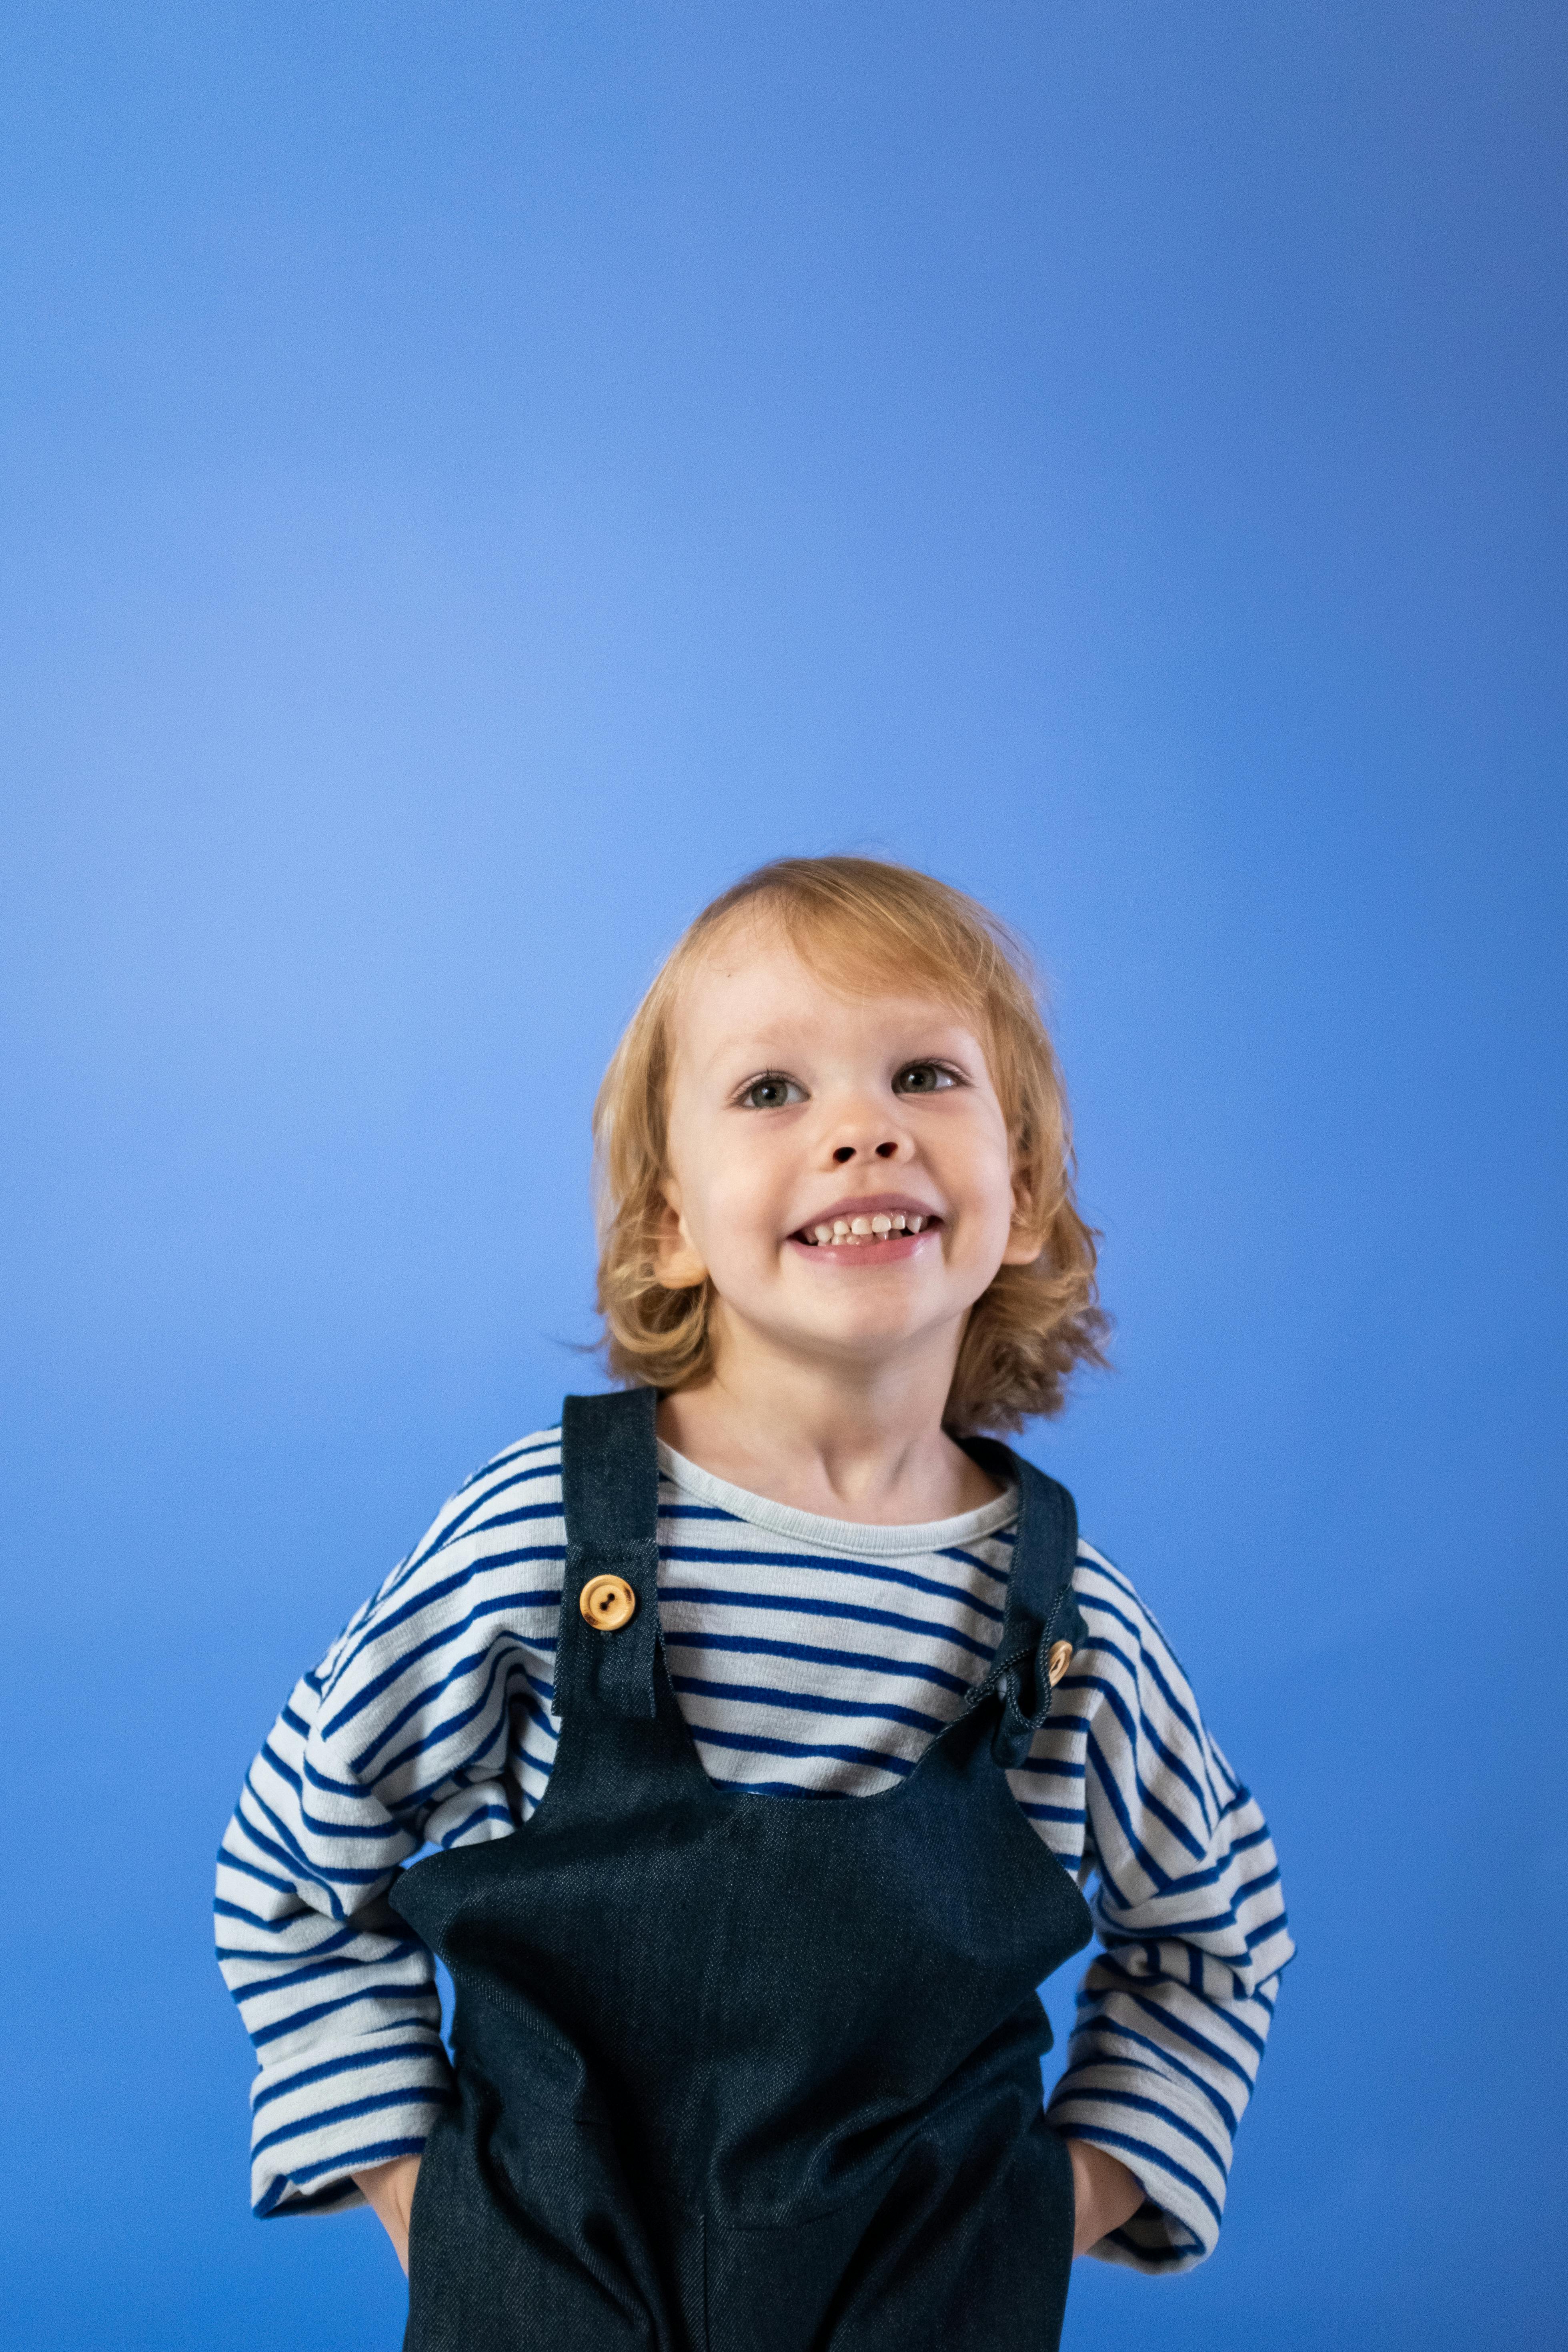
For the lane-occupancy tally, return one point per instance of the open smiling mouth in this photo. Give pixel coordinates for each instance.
(880, 1226)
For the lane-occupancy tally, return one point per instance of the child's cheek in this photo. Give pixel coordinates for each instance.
(744, 1204)
(739, 1247)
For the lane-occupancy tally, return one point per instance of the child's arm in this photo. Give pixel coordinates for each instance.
(337, 1994)
(402, 1737)
(1172, 2016)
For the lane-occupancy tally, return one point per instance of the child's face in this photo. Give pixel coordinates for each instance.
(795, 1110)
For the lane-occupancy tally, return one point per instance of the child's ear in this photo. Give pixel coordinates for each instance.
(675, 1262)
(1023, 1241)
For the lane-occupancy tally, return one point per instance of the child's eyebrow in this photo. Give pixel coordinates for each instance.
(761, 1048)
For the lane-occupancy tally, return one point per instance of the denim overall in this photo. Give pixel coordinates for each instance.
(737, 2073)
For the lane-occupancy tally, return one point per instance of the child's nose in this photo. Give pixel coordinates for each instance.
(888, 1149)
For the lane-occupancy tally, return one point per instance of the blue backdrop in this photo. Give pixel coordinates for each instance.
(476, 478)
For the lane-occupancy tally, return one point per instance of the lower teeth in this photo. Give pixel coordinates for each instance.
(851, 1241)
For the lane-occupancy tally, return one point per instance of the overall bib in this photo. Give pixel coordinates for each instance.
(737, 2073)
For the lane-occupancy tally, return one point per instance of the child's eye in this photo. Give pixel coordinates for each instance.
(924, 1078)
(770, 1092)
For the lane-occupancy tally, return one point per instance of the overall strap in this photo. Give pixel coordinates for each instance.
(1041, 1609)
(609, 1492)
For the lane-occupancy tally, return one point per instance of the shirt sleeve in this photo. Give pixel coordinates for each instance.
(1173, 2014)
(399, 1738)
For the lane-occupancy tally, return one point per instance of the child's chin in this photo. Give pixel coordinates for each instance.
(863, 1328)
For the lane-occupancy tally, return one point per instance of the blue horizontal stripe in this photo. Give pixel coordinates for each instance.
(790, 1788)
(332, 1942)
(261, 2035)
(850, 1610)
(229, 1860)
(224, 1910)
(1137, 2104)
(812, 1654)
(964, 1559)
(376, 2104)
(805, 1702)
(490, 1813)
(370, 2052)
(874, 1572)
(1056, 1767)
(754, 1743)
(312, 1972)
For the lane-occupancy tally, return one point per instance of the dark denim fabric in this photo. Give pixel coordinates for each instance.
(739, 2072)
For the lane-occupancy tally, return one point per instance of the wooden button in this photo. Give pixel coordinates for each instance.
(1060, 1660)
(607, 1602)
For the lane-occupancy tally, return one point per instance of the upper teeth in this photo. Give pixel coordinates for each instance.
(867, 1229)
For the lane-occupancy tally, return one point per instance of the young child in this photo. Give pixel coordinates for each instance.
(731, 2071)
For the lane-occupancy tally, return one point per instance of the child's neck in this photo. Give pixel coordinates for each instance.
(853, 1444)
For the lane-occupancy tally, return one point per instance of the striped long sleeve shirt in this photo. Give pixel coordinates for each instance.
(810, 1656)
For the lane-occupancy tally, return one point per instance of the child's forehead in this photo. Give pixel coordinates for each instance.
(765, 993)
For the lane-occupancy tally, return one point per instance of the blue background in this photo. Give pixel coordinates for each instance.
(475, 477)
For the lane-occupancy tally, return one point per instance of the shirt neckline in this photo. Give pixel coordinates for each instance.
(857, 1535)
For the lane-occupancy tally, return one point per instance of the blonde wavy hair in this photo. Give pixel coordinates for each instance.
(855, 919)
